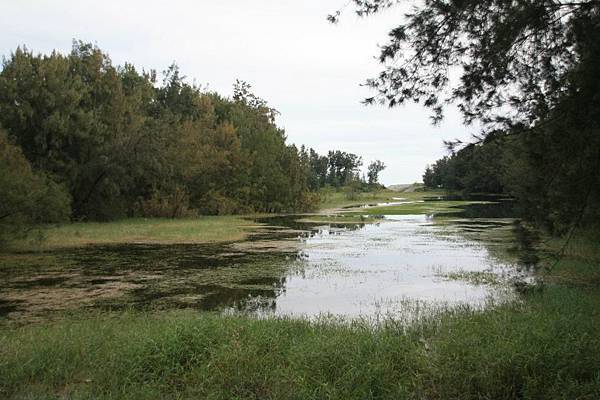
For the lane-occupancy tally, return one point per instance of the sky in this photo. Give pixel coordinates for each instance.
(308, 69)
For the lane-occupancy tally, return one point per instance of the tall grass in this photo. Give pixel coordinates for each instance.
(544, 348)
(332, 198)
(139, 230)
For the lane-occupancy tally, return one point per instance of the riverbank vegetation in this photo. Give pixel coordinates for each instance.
(526, 72)
(335, 207)
(533, 171)
(90, 141)
(417, 206)
(205, 229)
(332, 199)
(543, 346)
(82, 139)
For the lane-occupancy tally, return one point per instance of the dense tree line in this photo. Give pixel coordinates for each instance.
(553, 171)
(338, 169)
(527, 71)
(85, 138)
(121, 143)
(476, 168)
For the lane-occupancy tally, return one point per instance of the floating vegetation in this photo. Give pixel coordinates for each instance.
(474, 277)
(349, 265)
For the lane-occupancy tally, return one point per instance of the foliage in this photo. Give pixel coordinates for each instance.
(543, 348)
(552, 171)
(318, 168)
(174, 204)
(516, 53)
(340, 170)
(477, 168)
(373, 171)
(123, 143)
(527, 72)
(352, 190)
(166, 231)
(343, 167)
(27, 197)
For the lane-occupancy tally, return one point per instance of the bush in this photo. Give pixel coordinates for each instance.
(27, 197)
(173, 204)
(216, 203)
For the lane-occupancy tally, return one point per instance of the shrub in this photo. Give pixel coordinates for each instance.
(27, 197)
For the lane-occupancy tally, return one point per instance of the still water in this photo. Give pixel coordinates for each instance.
(378, 268)
(287, 268)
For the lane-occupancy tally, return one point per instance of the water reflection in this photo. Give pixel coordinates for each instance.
(287, 268)
(375, 269)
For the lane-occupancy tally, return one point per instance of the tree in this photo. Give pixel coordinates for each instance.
(80, 120)
(27, 197)
(343, 167)
(526, 69)
(125, 143)
(429, 178)
(373, 171)
(518, 53)
(318, 165)
(476, 168)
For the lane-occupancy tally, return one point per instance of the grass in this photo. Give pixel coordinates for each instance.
(473, 277)
(342, 219)
(582, 245)
(331, 199)
(545, 347)
(431, 207)
(583, 253)
(205, 229)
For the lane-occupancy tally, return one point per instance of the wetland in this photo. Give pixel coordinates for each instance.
(348, 265)
(430, 297)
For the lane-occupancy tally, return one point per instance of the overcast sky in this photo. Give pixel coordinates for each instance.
(307, 68)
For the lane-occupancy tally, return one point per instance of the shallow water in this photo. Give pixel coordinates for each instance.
(381, 268)
(287, 268)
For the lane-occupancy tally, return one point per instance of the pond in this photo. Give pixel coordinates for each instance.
(287, 268)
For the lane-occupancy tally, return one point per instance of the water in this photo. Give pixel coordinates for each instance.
(378, 268)
(287, 268)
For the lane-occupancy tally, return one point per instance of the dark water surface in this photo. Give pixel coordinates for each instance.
(287, 268)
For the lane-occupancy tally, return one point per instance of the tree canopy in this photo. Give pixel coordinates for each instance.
(123, 142)
(514, 56)
(27, 197)
(373, 171)
(520, 68)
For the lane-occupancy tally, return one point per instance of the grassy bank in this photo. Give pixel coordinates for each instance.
(332, 199)
(546, 347)
(205, 229)
(417, 207)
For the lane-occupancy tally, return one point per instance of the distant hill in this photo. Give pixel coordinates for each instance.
(405, 187)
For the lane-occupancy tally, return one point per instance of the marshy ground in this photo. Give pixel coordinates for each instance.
(400, 296)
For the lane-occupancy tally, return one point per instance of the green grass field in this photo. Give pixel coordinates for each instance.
(203, 229)
(331, 199)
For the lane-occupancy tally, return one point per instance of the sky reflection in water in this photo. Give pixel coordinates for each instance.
(377, 268)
